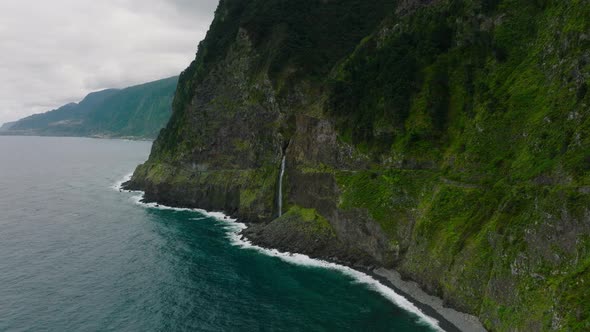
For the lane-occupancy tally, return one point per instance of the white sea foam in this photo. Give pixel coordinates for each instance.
(119, 184)
(234, 229)
(303, 260)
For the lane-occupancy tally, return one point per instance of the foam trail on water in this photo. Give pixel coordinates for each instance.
(119, 184)
(234, 229)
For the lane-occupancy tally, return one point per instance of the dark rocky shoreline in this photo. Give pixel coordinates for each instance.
(448, 318)
(287, 237)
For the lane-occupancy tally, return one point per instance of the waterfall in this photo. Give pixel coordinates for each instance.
(280, 193)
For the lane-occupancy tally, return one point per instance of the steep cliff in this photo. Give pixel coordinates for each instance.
(447, 139)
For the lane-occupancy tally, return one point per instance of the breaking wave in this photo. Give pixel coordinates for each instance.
(233, 232)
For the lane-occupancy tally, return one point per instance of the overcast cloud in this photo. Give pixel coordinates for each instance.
(56, 52)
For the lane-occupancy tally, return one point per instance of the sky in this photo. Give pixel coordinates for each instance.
(56, 52)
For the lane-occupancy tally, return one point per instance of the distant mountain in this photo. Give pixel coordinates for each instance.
(135, 112)
(6, 126)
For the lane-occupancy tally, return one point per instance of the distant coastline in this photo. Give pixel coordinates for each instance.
(126, 138)
(136, 112)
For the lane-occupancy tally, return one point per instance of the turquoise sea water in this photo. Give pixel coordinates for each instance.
(77, 255)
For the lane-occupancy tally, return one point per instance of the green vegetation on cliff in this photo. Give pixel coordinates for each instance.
(493, 99)
(136, 112)
(449, 139)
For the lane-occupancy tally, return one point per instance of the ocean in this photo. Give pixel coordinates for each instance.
(77, 254)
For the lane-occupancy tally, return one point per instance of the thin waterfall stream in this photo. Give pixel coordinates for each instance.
(280, 193)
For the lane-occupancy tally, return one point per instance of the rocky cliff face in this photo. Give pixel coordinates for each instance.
(447, 139)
